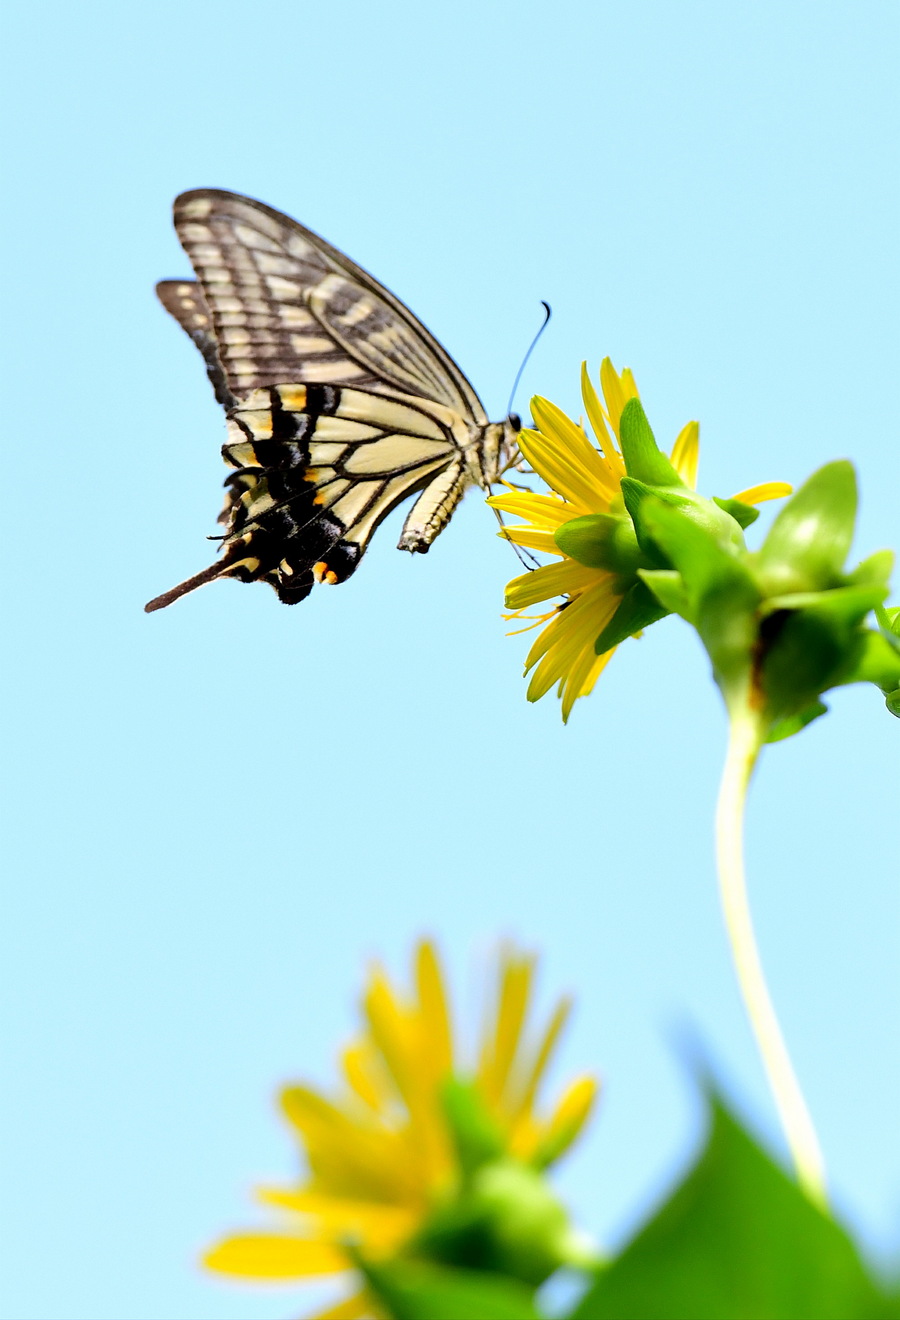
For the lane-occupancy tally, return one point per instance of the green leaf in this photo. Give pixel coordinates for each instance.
(737, 1240)
(637, 609)
(600, 540)
(810, 539)
(410, 1290)
(743, 514)
(643, 457)
(795, 723)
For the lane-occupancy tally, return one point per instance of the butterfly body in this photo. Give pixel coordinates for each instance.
(339, 403)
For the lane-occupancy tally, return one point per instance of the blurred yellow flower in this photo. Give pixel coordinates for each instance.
(380, 1153)
(583, 480)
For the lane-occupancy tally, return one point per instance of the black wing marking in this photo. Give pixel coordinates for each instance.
(286, 306)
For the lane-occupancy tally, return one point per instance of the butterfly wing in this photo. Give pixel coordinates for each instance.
(184, 300)
(309, 354)
(316, 469)
(288, 307)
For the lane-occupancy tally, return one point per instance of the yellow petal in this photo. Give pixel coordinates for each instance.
(347, 1155)
(597, 600)
(551, 580)
(686, 453)
(357, 1307)
(434, 1010)
(541, 1058)
(275, 1256)
(570, 1116)
(501, 1039)
(543, 510)
(598, 423)
(533, 538)
(379, 1224)
(580, 682)
(769, 490)
(617, 390)
(361, 1074)
(561, 453)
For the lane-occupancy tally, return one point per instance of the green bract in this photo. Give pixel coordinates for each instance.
(786, 624)
(503, 1215)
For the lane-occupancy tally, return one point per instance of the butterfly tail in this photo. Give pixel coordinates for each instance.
(190, 584)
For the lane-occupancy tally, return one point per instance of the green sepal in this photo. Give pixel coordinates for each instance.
(637, 609)
(811, 642)
(874, 570)
(414, 1290)
(643, 457)
(600, 540)
(809, 540)
(477, 1139)
(668, 588)
(878, 661)
(707, 514)
(786, 728)
(892, 701)
(743, 514)
(737, 1239)
(721, 594)
(893, 615)
(506, 1218)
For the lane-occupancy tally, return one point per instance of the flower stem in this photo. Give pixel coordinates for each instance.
(743, 748)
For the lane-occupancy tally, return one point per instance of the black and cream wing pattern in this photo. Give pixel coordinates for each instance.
(339, 403)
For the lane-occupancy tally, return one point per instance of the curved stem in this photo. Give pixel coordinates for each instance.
(743, 748)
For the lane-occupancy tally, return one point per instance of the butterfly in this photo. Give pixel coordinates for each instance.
(339, 403)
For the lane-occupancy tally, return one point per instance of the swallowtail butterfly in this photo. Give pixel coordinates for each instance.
(339, 402)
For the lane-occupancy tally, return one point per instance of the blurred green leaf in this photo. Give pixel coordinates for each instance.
(737, 1240)
(810, 538)
(643, 457)
(410, 1290)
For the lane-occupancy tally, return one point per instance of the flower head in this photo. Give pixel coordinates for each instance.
(584, 479)
(381, 1154)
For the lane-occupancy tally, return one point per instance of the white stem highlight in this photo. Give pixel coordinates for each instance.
(743, 749)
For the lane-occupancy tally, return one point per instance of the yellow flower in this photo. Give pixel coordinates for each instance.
(583, 480)
(380, 1153)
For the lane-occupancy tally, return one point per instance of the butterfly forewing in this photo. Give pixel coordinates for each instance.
(287, 306)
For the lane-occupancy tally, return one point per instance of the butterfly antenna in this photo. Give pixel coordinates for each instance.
(531, 348)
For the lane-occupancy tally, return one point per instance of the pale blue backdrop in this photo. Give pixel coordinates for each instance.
(218, 813)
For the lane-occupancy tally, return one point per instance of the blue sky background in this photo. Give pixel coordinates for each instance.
(218, 813)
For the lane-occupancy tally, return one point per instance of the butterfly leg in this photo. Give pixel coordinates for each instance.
(431, 511)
